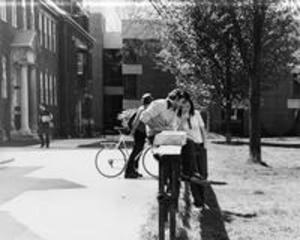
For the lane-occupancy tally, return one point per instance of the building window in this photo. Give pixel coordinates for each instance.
(41, 87)
(55, 90)
(32, 14)
(4, 78)
(48, 33)
(3, 8)
(50, 36)
(296, 88)
(130, 86)
(80, 63)
(46, 88)
(25, 19)
(50, 89)
(45, 35)
(112, 70)
(54, 36)
(14, 22)
(41, 28)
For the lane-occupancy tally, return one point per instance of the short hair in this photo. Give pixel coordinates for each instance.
(147, 98)
(175, 94)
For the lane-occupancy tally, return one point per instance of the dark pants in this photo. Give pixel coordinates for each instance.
(44, 135)
(193, 162)
(139, 142)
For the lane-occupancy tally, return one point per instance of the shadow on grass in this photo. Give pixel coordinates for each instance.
(229, 216)
(217, 183)
(265, 144)
(211, 220)
(20, 143)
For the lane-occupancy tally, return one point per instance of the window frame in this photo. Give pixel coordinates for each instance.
(4, 77)
(41, 28)
(3, 10)
(42, 95)
(55, 90)
(14, 13)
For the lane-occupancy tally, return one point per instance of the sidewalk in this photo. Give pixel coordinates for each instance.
(67, 143)
(287, 142)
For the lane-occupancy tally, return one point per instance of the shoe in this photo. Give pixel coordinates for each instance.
(42, 145)
(199, 204)
(199, 181)
(138, 174)
(131, 175)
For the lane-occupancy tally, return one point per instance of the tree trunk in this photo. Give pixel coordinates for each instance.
(254, 90)
(228, 89)
(254, 121)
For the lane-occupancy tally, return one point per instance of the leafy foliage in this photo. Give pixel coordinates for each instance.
(196, 36)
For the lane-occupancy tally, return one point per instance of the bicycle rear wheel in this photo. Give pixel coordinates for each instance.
(110, 162)
(150, 164)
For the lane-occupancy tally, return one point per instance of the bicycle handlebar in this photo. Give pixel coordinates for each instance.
(121, 130)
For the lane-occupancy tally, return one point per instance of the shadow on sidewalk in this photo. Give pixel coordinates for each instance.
(14, 182)
(20, 143)
(211, 220)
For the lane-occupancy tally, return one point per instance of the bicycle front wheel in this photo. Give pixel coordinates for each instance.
(150, 164)
(110, 163)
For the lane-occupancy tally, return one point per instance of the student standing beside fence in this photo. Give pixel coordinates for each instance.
(194, 162)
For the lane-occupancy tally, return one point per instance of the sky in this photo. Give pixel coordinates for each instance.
(114, 10)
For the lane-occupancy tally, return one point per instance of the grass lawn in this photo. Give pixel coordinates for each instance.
(250, 201)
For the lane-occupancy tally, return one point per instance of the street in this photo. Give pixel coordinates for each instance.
(57, 194)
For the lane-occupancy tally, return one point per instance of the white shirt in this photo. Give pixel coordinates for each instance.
(193, 133)
(159, 117)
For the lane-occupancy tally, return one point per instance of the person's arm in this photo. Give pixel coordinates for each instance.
(136, 121)
(151, 112)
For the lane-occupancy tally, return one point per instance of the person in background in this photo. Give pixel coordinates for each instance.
(194, 165)
(44, 121)
(161, 114)
(138, 131)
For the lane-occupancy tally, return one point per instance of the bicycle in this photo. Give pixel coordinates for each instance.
(111, 160)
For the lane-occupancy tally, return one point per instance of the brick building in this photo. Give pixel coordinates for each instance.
(140, 73)
(45, 54)
(126, 79)
(97, 28)
(112, 79)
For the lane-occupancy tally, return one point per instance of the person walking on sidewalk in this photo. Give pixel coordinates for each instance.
(138, 131)
(194, 161)
(44, 121)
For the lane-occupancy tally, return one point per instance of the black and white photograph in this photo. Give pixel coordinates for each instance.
(149, 119)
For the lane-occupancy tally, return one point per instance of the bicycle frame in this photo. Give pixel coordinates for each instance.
(122, 141)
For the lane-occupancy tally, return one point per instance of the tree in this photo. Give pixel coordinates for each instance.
(228, 45)
(200, 36)
(267, 35)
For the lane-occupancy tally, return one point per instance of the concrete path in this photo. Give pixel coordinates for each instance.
(58, 195)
